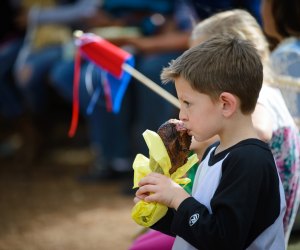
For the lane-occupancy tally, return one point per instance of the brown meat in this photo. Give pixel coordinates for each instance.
(177, 142)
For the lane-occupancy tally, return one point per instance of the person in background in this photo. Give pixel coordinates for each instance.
(230, 206)
(206, 8)
(11, 105)
(281, 23)
(48, 27)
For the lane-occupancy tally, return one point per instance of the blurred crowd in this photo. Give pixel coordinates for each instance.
(37, 69)
(37, 64)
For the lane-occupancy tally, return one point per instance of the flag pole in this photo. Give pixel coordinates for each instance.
(151, 85)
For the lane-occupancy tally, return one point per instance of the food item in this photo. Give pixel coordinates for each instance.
(177, 142)
(168, 148)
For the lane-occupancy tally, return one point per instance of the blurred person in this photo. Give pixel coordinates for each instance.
(11, 105)
(281, 23)
(48, 27)
(206, 8)
(164, 28)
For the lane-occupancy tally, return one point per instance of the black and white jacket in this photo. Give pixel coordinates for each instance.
(237, 202)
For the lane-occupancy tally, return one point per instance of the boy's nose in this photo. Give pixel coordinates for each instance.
(182, 115)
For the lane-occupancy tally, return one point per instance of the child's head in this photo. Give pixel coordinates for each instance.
(221, 64)
(238, 23)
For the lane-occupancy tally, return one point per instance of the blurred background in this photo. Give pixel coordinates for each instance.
(61, 192)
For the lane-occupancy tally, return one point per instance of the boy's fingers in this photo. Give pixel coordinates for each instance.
(136, 200)
(141, 191)
(150, 198)
(153, 174)
(146, 180)
(140, 196)
(145, 190)
(151, 178)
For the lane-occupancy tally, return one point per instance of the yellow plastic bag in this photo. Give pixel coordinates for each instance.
(148, 213)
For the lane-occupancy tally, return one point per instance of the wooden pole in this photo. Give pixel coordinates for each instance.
(151, 85)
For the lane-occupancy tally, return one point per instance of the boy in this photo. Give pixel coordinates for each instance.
(237, 200)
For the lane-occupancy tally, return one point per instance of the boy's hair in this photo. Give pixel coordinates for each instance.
(221, 64)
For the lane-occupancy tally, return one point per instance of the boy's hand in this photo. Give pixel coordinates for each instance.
(162, 189)
(136, 200)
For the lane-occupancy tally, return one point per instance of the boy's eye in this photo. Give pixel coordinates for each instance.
(187, 104)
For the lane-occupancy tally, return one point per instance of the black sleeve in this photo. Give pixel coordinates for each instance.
(164, 224)
(239, 213)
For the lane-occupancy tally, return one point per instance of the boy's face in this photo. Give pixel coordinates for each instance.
(201, 116)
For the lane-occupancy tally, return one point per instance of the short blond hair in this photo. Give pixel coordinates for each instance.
(236, 22)
(239, 23)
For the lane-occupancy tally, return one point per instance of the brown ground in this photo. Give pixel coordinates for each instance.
(45, 207)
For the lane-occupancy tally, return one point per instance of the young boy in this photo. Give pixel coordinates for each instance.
(237, 199)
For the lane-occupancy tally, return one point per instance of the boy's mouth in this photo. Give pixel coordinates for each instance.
(184, 126)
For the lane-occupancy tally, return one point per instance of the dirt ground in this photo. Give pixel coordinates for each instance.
(45, 207)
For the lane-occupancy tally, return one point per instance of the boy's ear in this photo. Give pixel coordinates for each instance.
(229, 103)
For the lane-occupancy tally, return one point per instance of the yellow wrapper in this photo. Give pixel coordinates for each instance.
(148, 213)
